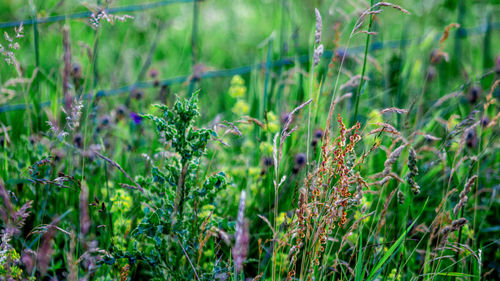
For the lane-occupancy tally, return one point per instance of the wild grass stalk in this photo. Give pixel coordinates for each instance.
(173, 220)
(278, 143)
(36, 82)
(316, 56)
(194, 46)
(267, 78)
(361, 84)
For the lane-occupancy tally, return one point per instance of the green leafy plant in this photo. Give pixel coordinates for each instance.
(171, 233)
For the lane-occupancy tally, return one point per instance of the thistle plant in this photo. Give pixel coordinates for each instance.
(167, 237)
(189, 143)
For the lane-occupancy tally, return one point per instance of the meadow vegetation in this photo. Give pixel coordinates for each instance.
(249, 140)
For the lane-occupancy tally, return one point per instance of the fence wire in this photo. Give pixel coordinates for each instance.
(463, 32)
(88, 14)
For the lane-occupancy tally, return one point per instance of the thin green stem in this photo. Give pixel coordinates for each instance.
(358, 92)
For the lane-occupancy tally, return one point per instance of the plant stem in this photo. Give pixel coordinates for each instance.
(309, 113)
(179, 194)
(358, 92)
(194, 50)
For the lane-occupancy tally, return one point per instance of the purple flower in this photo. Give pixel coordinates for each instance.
(135, 117)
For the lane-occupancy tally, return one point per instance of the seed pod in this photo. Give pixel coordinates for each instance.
(413, 171)
(471, 138)
(284, 118)
(431, 73)
(401, 197)
(137, 94)
(415, 188)
(435, 57)
(300, 159)
(318, 134)
(319, 26)
(318, 52)
(121, 112)
(300, 162)
(78, 140)
(474, 94)
(268, 161)
(104, 121)
(485, 121)
(242, 236)
(456, 224)
(153, 73)
(76, 71)
(314, 143)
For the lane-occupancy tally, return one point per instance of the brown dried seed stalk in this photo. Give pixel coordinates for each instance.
(124, 272)
(240, 249)
(84, 212)
(413, 171)
(68, 99)
(446, 32)
(384, 127)
(392, 159)
(254, 120)
(401, 197)
(318, 52)
(370, 11)
(463, 194)
(394, 109)
(46, 249)
(455, 225)
(493, 121)
(489, 98)
(72, 267)
(114, 164)
(384, 211)
(319, 26)
(446, 97)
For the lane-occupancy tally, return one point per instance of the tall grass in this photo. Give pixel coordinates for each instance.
(254, 176)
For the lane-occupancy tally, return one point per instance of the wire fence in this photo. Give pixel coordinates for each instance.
(463, 32)
(88, 14)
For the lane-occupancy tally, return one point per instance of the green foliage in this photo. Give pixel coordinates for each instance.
(156, 207)
(176, 125)
(171, 225)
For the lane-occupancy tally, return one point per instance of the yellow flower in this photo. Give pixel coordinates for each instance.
(273, 128)
(358, 215)
(271, 117)
(237, 80)
(416, 70)
(365, 202)
(246, 128)
(241, 107)
(248, 144)
(392, 274)
(206, 210)
(254, 188)
(237, 89)
(273, 125)
(254, 172)
(237, 173)
(353, 237)
(452, 121)
(266, 148)
(282, 217)
(375, 117)
(122, 201)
